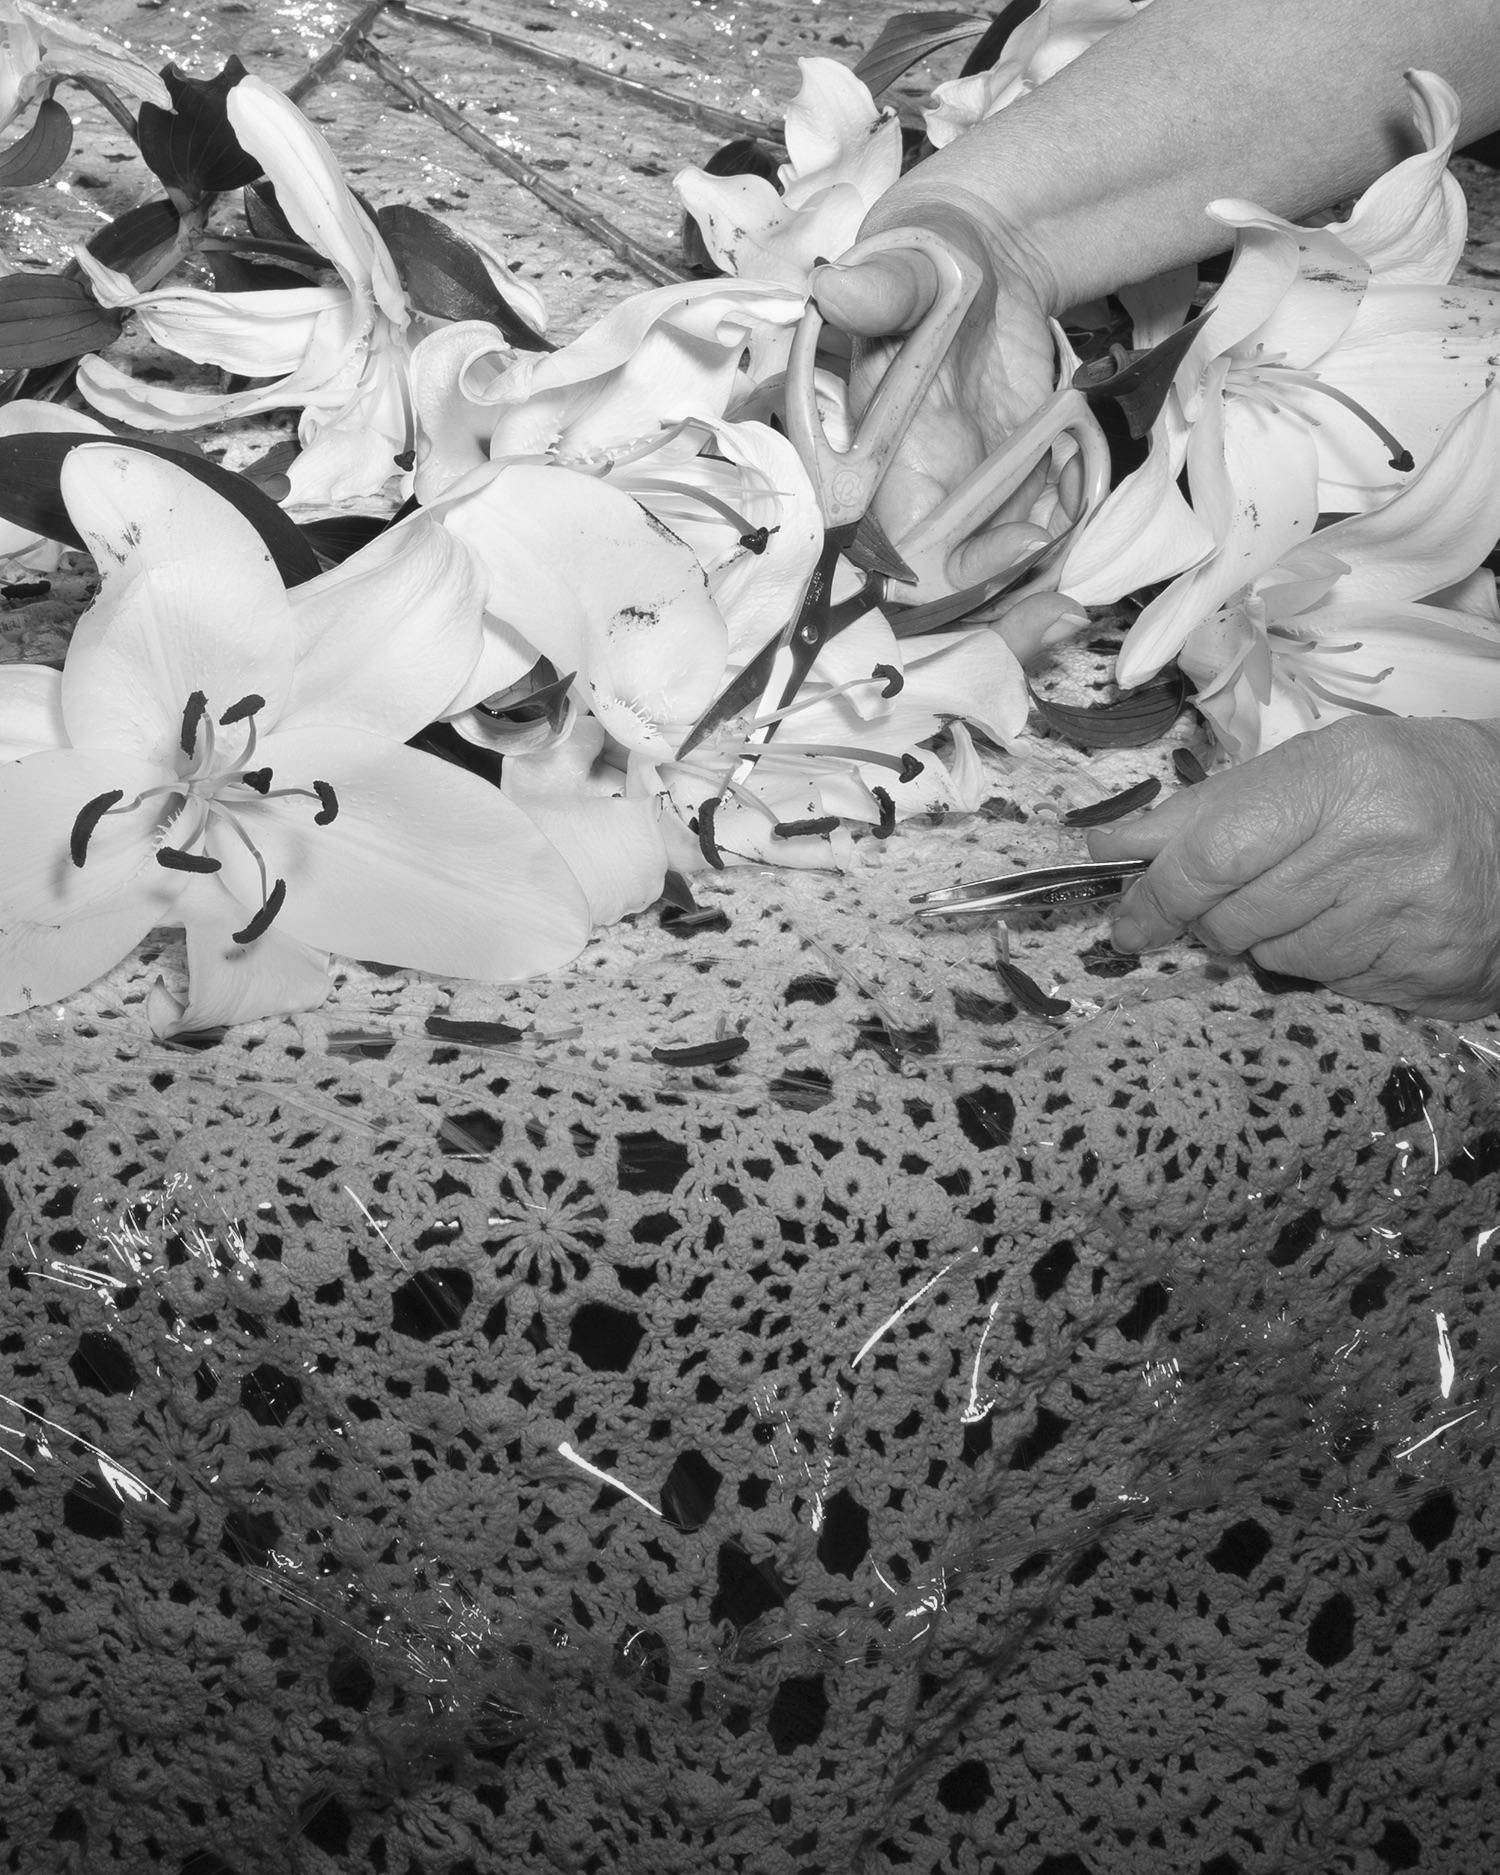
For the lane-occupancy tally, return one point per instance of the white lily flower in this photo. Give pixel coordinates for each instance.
(37, 48)
(1039, 48)
(637, 401)
(338, 352)
(229, 756)
(1345, 623)
(843, 153)
(853, 747)
(1326, 354)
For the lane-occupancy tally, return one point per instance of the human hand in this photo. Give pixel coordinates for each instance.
(1365, 854)
(998, 370)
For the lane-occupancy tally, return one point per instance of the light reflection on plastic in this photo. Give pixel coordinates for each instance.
(1436, 1433)
(565, 1450)
(1446, 1368)
(910, 1303)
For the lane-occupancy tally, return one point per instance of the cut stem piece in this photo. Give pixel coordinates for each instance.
(649, 265)
(636, 90)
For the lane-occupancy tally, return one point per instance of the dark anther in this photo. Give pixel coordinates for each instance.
(895, 683)
(237, 712)
(1404, 461)
(175, 860)
(795, 829)
(887, 808)
(910, 767)
(330, 804)
(756, 540)
(257, 778)
(262, 921)
(192, 715)
(707, 814)
(89, 818)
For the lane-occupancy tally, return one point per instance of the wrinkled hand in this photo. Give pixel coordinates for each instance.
(998, 370)
(1365, 855)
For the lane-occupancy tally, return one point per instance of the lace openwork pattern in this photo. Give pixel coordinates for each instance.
(931, 1440)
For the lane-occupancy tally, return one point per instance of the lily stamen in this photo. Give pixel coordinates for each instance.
(1401, 459)
(886, 675)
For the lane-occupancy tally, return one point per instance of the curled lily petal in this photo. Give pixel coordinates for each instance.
(312, 193)
(672, 352)
(1411, 222)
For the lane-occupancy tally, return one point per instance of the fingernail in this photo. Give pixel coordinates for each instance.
(1126, 935)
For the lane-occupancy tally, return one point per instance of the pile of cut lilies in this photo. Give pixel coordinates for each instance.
(441, 683)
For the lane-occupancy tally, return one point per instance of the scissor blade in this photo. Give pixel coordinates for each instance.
(1036, 890)
(738, 694)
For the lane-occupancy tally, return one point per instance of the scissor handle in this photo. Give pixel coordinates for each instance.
(928, 548)
(846, 479)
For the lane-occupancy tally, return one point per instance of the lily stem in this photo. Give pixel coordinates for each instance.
(336, 51)
(547, 193)
(636, 90)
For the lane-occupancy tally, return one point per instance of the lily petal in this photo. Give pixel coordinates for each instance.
(1411, 222)
(388, 639)
(1439, 527)
(190, 601)
(655, 358)
(312, 192)
(614, 846)
(503, 905)
(1271, 473)
(277, 975)
(31, 715)
(63, 925)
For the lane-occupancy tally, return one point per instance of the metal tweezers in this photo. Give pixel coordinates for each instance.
(1037, 890)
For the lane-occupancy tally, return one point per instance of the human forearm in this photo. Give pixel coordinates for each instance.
(1101, 176)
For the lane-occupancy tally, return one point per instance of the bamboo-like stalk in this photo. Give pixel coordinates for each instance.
(558, 200)
(637, 90)
(337, 50)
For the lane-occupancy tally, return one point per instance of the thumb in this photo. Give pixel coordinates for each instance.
(884, 293)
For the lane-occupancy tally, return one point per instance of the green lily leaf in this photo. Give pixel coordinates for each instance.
(1133, 720)
(192, 147)
(445, 277)
(907, 38)
(46, 318)
(31, 495)
(134, 236)
(42, 151)
(1139, 382)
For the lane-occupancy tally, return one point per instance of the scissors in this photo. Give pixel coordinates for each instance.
(1040, 889)
(847, 481)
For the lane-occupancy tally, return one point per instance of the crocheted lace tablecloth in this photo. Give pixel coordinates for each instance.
(936, 1439)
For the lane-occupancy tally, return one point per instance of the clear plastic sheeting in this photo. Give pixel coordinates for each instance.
(1069, 1445)
(937, 1439)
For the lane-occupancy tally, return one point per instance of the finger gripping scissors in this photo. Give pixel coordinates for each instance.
(846, 481)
